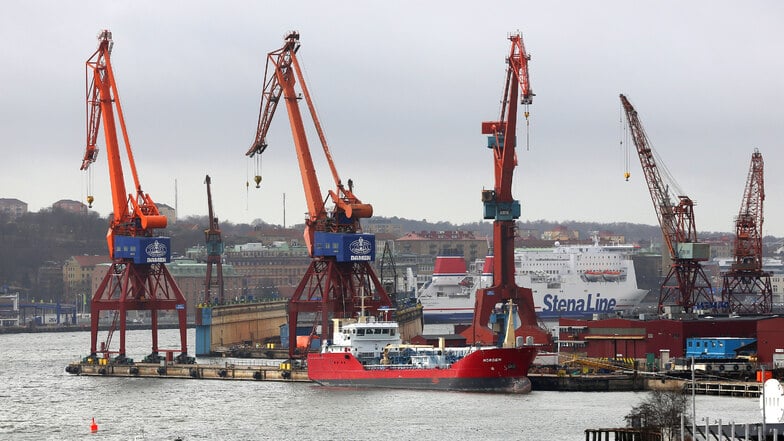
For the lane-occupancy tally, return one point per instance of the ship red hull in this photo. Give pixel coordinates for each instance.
(488, 370)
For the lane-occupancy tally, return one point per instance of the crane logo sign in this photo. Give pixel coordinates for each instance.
(156, 251)
(360, 249)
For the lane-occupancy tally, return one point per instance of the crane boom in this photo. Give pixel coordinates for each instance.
(339, 279)
(748, 224)
(281, 74)
(214, 243)
(134, 214)
(137, 278)
(747, 287)
(676, 220)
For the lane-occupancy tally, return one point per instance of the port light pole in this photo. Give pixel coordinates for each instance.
(693, 402)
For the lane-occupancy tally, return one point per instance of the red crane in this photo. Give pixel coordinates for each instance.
(340, 280)
(137, 278)
(214, 243)
(504, 209)
(746, 287)
(686, 282)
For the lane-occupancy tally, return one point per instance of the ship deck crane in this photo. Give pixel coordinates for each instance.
(214, 243)
(747, 287)
(500, 205)
(137, 278)
(686, 283)
(340, 281)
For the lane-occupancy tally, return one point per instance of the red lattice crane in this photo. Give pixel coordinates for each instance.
(214, 243)
(686, 283)
(137, 278)
(746, 287)
(500, 205)
(340, 280)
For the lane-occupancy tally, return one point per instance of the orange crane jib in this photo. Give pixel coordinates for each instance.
(135, 215)
(335, 232)
(137, 278)
(340, 281)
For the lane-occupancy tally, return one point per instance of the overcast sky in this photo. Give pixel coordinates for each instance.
(401, 88)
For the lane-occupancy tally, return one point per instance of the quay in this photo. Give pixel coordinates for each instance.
(730, 388)
(284, 370)
(270, 371)
(587, 383)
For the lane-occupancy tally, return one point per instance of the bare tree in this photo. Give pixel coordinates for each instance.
(660, 412)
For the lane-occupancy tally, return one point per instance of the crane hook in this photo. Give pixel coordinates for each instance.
(90, 200)
(257, 179)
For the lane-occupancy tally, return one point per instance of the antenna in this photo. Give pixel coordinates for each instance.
(176, 204)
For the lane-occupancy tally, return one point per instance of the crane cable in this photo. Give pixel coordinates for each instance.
(527, 129)
(247, 185)
(89, 181)
(623, 134)
(257, 176)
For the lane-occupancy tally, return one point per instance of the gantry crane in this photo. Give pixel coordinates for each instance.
(214, 243)
(137, 278)
(686, 282)
(504, 209)
(746, 287)
(340, 281)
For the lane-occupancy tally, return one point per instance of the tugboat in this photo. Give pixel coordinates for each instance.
(367, 352)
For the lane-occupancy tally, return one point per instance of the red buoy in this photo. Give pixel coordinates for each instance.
(93, 426)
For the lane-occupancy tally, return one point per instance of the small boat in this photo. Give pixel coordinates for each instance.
(593, 276)
(611, 275)
(370, 353)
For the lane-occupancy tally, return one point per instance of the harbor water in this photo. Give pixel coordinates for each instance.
(40, 401)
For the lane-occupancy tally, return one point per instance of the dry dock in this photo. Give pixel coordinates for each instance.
(283, 371)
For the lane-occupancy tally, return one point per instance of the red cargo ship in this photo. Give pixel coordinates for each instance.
(370, 353)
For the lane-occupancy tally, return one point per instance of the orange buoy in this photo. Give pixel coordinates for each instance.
(93, 426)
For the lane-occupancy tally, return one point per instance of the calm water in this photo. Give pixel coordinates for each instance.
(40, 401)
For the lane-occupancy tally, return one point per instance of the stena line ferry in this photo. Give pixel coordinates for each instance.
(370, 353)
(567, 281)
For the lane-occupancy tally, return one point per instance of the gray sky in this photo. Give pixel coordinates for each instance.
(401, 89)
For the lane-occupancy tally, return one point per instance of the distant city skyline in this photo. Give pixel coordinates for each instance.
(401, 90)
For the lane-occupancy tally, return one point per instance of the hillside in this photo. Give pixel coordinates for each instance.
(35, 245)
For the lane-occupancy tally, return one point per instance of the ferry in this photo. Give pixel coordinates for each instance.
(367, 353)
(575, 281)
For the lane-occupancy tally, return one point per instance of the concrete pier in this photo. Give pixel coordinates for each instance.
(283, 371)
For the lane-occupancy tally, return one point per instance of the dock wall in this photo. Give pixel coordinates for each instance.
(225, 371)
(235, 324)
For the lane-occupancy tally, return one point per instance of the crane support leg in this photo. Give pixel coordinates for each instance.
(333, 289)
(127, 286)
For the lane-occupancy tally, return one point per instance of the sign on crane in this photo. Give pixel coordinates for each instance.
(137, 278)
(340, 281)
(500, 205)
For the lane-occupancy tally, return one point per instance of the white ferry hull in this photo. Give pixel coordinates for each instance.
(574, 281)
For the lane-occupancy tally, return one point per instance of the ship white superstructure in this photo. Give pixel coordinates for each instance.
(566, 280)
